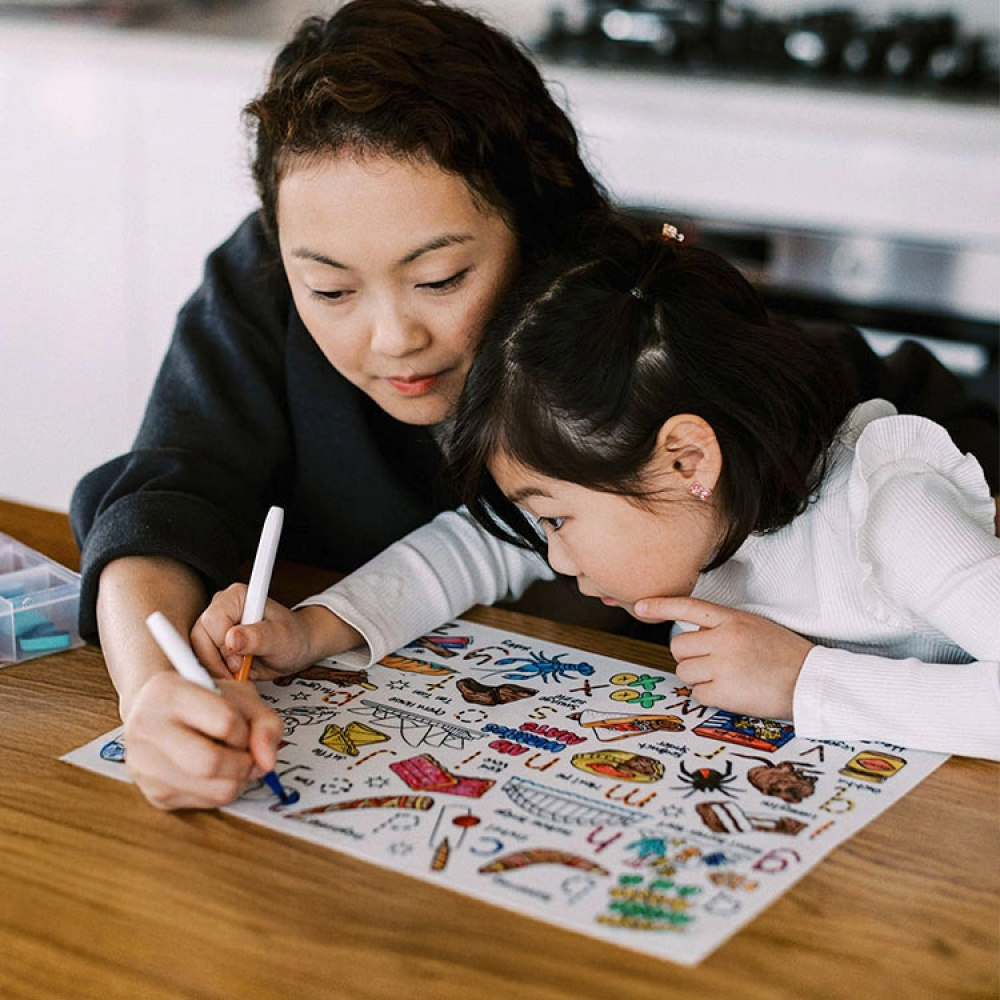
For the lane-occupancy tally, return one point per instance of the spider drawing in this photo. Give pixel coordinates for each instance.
(705, 779)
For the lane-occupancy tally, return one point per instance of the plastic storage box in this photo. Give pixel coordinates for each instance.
(39, 604)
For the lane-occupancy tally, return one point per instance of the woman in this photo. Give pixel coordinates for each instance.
(410, 163)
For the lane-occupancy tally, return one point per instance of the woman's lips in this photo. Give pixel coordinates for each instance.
(414, 385)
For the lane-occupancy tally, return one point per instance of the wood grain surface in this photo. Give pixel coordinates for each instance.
(104, 897)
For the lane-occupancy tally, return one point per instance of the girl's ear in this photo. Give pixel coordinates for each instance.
(687, 448)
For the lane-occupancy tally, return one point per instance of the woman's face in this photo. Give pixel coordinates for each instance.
(395, 268)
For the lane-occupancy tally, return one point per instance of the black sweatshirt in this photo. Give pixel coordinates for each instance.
(246, 412)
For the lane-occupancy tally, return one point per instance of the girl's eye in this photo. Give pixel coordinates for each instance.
(447, 283)
(552, 523)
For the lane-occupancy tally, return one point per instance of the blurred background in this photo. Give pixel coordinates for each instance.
(846, 155)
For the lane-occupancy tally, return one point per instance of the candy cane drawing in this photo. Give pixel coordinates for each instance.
(368, 756)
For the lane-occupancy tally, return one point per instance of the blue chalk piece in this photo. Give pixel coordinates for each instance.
(9, 593)
(44, 643)
(27, 620)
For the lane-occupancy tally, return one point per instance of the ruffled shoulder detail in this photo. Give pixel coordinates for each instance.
(890, 447)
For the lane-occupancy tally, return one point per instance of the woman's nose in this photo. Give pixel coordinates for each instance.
(395, 334)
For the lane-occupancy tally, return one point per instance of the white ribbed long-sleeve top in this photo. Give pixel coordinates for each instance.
(895, 572)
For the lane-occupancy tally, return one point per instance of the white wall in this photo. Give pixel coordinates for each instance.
(123, 164)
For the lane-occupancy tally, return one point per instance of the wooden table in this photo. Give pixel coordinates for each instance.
(104, 897)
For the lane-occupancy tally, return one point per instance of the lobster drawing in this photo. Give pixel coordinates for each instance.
(538, 666)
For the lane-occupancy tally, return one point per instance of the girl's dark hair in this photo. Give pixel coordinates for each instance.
(576, 376)
(418, 78)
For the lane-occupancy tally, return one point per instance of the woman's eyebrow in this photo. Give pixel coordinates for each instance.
(437, 243)
(303, 253)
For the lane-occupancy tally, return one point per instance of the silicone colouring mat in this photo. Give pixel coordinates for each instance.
(578, 789)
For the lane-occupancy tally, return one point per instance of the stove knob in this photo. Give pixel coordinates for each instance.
(864, 51)
(956, 65)
(916, 38)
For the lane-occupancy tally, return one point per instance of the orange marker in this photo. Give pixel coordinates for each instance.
(260, 578)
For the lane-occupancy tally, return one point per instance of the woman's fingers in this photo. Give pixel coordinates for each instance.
(191, 748)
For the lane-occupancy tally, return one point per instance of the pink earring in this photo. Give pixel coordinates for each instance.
(699, 491)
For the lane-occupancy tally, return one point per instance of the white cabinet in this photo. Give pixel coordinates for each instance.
(123, 163)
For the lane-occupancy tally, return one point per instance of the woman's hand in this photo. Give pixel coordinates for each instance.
(282, 642)
(735, 661)
(188, 748)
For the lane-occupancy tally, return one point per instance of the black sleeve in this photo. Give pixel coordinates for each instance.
(214, 444)
(916, 382)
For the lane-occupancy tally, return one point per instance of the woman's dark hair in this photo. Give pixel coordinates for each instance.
(418, 78)
(577, 374)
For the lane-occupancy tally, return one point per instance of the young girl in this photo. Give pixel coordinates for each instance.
(690, 459)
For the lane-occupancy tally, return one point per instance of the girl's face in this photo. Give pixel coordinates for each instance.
(618, 552)
(394, 269)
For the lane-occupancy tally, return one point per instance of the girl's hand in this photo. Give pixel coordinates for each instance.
(735, 661)
(281, 642)
(188, 748)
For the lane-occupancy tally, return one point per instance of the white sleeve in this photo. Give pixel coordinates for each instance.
(945, 707)
(931, 551)
(933, 556)
(433, 574)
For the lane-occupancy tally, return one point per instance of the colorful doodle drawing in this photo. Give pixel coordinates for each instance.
(419, 802)
(873, 765)
(786, 780)
(114, 750)
(558, 806)
(727, 817)
(619, 764)
(346, 740)
(418, 730)
(539, 666)
(482, 694)
(746, 730)
(542, 856)
(609, 726)
(443, 645)
(396, 661)
(321, 672)
(425, 774)
(705, 779)
(660, 905)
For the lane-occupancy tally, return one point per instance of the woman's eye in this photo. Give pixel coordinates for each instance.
(447, 283)
(552, 523)
(337, 295)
